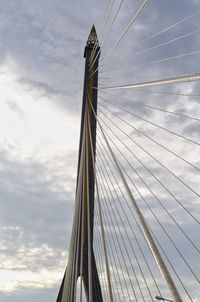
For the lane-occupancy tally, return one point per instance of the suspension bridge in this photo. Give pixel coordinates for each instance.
(135, 234)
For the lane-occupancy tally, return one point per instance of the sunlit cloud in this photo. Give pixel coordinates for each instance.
(31, 123)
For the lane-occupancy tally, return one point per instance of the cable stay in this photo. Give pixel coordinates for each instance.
(167, 59)
(163, 60)
(174, 80)
(143, 223)
(108, 32)
(122, 209)
(100, 215)
(147, 136)
(122, 35)
(134, 234)
(153, 194)
(167, 42)
(130, 243)
(105, 20)
(168, 28)
(158, 200)
(166, 258)
(163, 128)
(147, 169)
(149, 106)
(146, 230)
(162, 165)
(125, 31)
(152, 212)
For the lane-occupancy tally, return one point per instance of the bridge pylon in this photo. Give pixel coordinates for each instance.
(81, 259)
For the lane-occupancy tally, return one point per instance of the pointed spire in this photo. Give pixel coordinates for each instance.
(92, 39)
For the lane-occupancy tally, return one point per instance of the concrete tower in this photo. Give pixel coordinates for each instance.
(81, 261)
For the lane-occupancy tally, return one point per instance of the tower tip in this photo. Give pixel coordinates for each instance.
(92, 39)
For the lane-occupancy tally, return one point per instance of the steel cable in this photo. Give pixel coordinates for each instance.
(152, 174)
(183, 258)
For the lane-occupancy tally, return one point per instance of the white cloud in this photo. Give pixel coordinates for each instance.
(32, 123)
(27, 265)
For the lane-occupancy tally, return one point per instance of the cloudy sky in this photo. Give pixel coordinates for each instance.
(41, 79)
